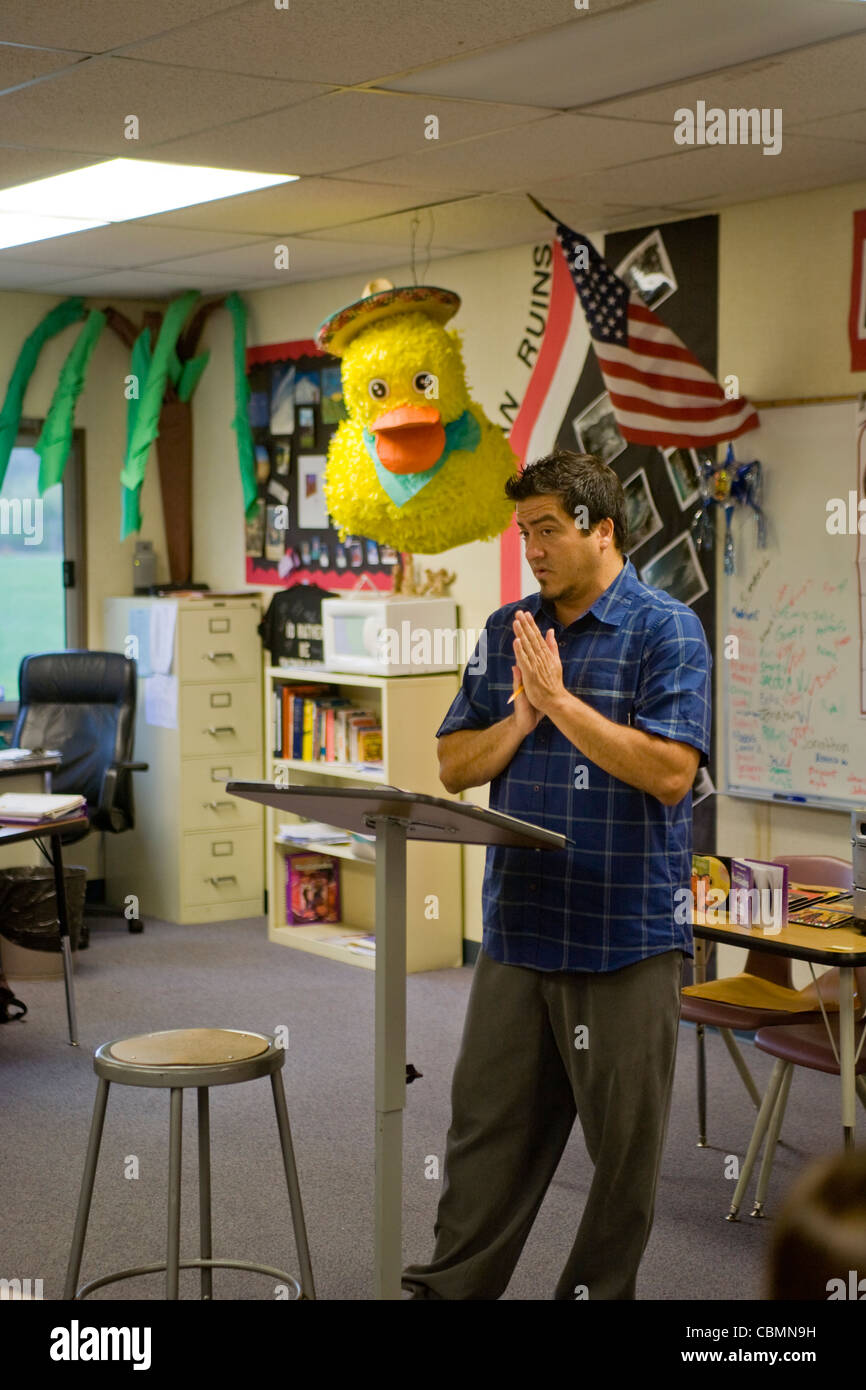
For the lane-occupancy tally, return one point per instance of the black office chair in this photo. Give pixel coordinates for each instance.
(83, 704)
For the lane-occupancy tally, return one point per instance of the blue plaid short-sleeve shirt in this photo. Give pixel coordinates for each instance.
(639, 657)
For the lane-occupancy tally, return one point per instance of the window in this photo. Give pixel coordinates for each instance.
(41, 561)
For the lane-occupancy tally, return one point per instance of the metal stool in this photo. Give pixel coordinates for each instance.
(199, 1057)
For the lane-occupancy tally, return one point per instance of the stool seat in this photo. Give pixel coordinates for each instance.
(188, 1047)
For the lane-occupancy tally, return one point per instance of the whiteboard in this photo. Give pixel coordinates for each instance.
(794, 617)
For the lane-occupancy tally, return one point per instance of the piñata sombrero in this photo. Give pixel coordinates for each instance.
(335, 334)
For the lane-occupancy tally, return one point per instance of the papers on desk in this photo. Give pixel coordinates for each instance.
(29, 808)
(17, 755)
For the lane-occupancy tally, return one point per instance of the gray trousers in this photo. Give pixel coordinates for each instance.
(538, 1049)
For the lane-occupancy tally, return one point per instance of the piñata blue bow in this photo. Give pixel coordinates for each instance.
(728, 485)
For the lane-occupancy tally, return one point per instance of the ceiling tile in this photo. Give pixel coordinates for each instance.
(20, 164)
(18, 64)
(127, 244)
(256, 262)
(307, 205)
(343, 129)
(603, 55)
(85, 108)
(809, 83)
(351, 41)
(720, 171)
(519, 158)
(851, 126)
(134, 284)
(94, 26)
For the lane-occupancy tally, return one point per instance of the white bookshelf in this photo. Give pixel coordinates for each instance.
(411, 709)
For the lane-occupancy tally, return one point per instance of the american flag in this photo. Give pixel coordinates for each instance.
(659, 392)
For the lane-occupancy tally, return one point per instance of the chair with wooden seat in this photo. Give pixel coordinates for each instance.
(177, 1059)
(763, 994)
(814, 1045)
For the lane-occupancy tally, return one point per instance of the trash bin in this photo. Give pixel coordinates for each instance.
(28, 906)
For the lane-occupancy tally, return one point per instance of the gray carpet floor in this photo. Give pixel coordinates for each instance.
(229, 975)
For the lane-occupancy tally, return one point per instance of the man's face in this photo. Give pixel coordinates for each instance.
(563, 560)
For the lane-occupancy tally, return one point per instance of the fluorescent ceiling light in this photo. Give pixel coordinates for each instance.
(19, 228)
(121, 189)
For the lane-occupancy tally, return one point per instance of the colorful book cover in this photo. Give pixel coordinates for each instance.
(312, 889)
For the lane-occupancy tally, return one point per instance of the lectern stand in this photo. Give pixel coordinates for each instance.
(394, 816)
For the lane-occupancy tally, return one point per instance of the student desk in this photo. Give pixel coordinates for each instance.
(844, 947)
(54, 830)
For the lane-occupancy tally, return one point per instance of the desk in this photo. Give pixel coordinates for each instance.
(844, 947)
(54, 831)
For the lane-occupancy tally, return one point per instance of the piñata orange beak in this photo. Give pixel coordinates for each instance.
(409, 439)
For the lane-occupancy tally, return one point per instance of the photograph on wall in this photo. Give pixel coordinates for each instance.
(306, 427)
(282, 419)
(677, 570)
(282, 457)
(263, 463)
(641, 511)
(684, 471)
(649, 271)
(255, 530)
(275, 536)
(333, 409)
(312, 509)
(597, 431)
(307, 388)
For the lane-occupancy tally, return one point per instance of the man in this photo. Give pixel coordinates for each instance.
(575, 1001)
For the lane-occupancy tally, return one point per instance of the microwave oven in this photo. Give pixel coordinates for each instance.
(391, 635)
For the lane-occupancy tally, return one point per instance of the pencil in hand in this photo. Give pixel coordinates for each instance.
(513, 697)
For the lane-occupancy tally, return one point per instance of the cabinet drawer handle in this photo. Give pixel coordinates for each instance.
(222, 878)
(220, 656)
(219, 729)
(215, 805)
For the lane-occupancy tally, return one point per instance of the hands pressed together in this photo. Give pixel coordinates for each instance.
(538, 670)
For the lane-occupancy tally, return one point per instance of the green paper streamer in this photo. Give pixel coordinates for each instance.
(56, 436)
(60, 317)
(146, 428)
(130, 498)
(241, 421)
(191, 375)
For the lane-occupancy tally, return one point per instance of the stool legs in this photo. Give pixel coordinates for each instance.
(702, 1086)
(307, 1289)
(172, 1258)
(86, 1195)
(204, 1191)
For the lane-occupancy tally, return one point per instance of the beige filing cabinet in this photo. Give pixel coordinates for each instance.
(196, 854)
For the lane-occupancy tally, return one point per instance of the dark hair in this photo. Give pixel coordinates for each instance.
(579, 480)
(821, 1230)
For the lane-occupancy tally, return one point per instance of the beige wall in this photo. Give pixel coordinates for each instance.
(784, 275)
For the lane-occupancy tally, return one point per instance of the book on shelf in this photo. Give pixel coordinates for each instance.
(312, 889)
(30, 808)
(312, 724)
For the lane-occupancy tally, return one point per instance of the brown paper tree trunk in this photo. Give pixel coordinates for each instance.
(174, 455)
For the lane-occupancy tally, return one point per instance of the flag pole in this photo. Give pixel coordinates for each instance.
(541, 208)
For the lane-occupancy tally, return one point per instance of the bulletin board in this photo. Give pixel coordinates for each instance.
(795, 678)
(295, 406)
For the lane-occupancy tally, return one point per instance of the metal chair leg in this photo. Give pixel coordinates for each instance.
(172, 1258)
(740, 1063)
(204, 1192)
(702, 1086)
(765, 1114)
(307, 1286)
(860, 1084)
(86, 1194)
(772, 1140)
